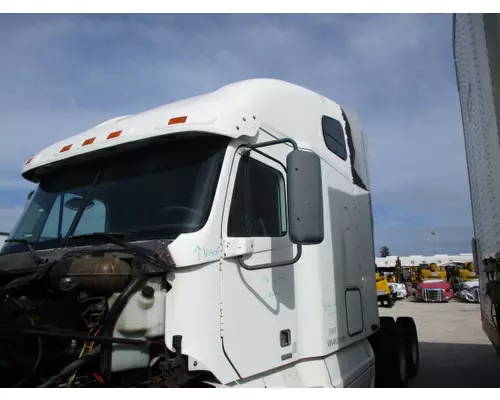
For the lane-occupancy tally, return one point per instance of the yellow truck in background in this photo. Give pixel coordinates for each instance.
(468, 273)
(432, 271)
(459, 272)
(385, 295)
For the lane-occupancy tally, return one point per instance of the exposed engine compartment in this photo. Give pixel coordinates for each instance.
(24, 357)
(93, 318)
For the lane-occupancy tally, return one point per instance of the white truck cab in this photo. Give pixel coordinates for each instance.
(222, 240)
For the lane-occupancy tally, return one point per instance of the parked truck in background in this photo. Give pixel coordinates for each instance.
(431, 271)
(385, 296)
(476, 50)
(223, 240)
(433, 291)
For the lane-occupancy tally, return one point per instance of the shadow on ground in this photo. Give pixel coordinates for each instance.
(455, 365)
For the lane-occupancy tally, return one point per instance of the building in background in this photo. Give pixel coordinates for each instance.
(415, 260)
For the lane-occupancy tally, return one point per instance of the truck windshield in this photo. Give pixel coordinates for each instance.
(159, 191)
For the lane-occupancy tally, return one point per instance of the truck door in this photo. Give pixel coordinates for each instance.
(258, 321)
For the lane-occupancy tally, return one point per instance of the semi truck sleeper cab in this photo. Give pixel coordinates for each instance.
(222, 240)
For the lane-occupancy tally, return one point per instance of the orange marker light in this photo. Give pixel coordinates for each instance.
(114, 135)
(88, 141)
(66, 148)
(28, 161)
(177, 120)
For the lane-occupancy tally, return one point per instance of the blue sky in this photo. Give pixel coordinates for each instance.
(62, 74)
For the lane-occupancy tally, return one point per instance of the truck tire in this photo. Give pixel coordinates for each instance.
(386, 322)
(408, 330)
(388, 344)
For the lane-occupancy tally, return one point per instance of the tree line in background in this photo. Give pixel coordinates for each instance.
(384, 251)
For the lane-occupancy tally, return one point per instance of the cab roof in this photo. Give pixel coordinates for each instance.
(235, 111)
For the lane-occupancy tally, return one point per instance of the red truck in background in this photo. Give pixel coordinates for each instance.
(433, 291)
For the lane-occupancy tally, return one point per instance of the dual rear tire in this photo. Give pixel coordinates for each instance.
(396, 352)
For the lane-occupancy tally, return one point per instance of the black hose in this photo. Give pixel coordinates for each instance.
(24, 281)
(66, 371)
(38, 331)
(109, 323)
(39, 338)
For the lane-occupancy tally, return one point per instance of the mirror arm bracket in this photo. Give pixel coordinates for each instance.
(271, 264)
(272, 143)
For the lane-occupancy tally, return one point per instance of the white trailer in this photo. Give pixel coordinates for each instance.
(224, 240)
(476, 50)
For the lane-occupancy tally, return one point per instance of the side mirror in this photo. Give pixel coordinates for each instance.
(305, 197)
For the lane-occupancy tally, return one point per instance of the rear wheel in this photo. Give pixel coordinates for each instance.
(391, 367)
(408, 331)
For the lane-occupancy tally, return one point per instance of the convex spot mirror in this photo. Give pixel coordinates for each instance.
(76, 202)
(305, 197)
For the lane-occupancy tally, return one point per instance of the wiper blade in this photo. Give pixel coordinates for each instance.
(28, 243)
(114, 237)
(111, 236)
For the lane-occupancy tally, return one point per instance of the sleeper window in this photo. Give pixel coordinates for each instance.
(258, 207)
(334, 137)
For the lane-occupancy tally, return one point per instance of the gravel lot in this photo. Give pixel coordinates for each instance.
(454, 351)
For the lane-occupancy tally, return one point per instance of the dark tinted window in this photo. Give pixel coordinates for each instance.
(159, 191)
(258, 205)
(334, 137)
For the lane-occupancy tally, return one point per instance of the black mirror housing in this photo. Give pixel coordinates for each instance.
(305, 197)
